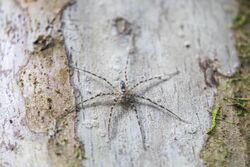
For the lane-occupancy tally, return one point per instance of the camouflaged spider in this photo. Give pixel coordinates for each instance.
(124, 95)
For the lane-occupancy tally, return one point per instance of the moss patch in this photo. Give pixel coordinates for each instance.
(229, 144)
(215, 112)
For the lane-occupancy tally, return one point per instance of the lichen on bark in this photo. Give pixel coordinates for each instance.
(48, 96)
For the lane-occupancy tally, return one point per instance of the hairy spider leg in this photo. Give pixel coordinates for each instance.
(95, 75)
(84, 101)
(162, 107)
(96, 96)
(140, 126)
(153, 78)
(67, 112)
(110, 116)
(144, 81)
(126, 69)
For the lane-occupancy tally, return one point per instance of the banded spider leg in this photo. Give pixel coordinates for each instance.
(124, 95)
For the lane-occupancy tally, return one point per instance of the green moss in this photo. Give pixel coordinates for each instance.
(240, 99)
(215, 112)
(241, 105)
(78, 153)
(241, 26)
(241, 20)
(243, 17)
(231, 141)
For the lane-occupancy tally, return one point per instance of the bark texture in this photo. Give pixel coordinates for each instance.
(161, 37)
(38, 47)
(35, 89)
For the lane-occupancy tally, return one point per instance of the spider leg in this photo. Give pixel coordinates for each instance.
(162, 107)
(154, 78)
(82, 102)
(109, 122)
(96, 96)
(126, 69)
(140, 126)
(97, 76)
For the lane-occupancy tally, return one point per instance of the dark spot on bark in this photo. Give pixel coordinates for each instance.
(58, 153)
(42, 118)
(208, 71)
(123, 27)
(58, 91)
(187, 45)
(44, 42)
(35, 81)
(49, 100)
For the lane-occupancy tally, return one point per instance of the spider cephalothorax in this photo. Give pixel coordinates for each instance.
(124, 95)
(125, 98)
(123, 86)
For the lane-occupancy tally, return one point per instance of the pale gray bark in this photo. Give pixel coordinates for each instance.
(159, 32)
(164, 35)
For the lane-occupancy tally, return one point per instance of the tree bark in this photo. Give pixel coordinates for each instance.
(42, 42)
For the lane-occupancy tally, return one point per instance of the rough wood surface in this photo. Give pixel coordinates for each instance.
(163, 36)
(34, 85)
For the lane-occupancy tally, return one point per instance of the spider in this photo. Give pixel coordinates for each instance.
(125, 95)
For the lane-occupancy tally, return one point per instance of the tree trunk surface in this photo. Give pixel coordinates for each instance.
(42, 44)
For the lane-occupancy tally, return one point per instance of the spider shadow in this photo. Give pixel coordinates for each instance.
(121, 110)
(121, 114)
(118, 115)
